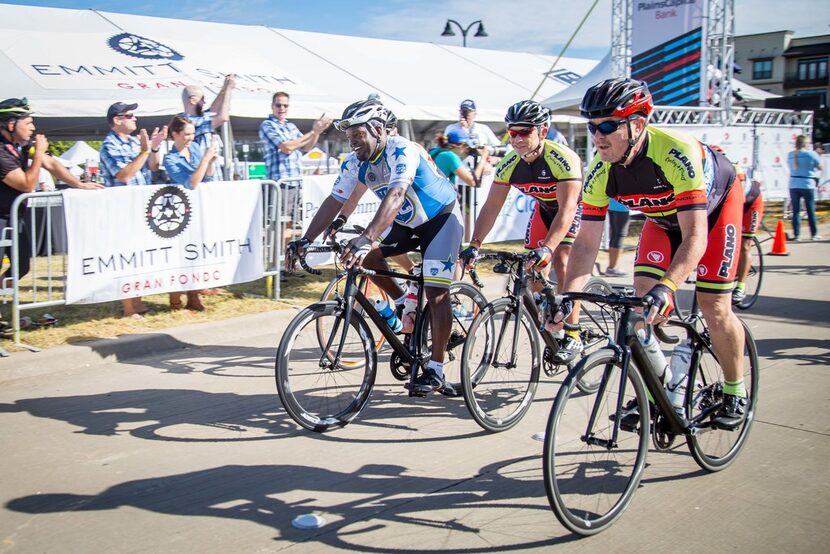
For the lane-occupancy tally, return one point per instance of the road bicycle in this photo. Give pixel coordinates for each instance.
(755, 276)
(593, 464)
(502, 357)
(326, 363)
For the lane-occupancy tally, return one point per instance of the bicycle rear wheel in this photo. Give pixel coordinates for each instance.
(315, 393)
(714, 449)
(590, 478)
(466, 302)
(597, 325)
(752, 283)
(500, 365)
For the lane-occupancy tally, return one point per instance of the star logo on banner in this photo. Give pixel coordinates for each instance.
(399, 151)
(448, 263)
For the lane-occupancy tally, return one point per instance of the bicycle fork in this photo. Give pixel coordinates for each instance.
(623, 356)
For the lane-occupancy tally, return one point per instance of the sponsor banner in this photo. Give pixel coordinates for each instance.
(134, 241)
(666, 43)
(774, 143)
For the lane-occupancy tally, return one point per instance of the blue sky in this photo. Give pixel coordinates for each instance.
(541, 26)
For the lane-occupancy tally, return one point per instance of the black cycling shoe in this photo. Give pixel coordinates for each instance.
(630, 416)
(731, 414)
(429, 381)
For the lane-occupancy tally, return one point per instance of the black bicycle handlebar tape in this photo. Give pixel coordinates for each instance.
(307, 267)
(474, 278)
(662, 336)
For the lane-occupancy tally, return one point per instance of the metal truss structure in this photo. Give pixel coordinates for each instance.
(743, 117)
(621, 38)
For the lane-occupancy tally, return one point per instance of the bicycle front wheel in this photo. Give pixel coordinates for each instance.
(500, 365)
(597, 324)
(337, 286)
(317, 390)
(752, 283)
(591, 465)
(714, 449)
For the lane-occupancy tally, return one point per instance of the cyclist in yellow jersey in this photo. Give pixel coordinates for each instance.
(549, 172)
(693, 209)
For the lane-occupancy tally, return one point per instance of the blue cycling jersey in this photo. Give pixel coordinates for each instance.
(404, 164)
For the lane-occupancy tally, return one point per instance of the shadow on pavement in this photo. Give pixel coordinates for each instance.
(184, 415)
(786, 349)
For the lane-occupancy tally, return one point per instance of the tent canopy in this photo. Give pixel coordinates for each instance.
(75, 63)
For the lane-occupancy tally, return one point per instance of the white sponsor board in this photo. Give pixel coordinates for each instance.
(654, 22)
(132, 241)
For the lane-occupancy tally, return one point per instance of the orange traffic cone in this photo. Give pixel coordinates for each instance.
(779, 243)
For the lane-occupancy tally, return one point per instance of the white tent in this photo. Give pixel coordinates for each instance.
(75, 63)
(80, 152)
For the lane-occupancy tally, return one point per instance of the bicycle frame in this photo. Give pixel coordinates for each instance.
(410, 354)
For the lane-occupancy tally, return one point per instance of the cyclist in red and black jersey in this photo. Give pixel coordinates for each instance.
(549, 172)
(693, 207)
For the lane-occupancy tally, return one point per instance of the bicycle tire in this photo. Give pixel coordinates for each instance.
(715, 449)
(588, 496)
(370, 290)
(319, 398)
(752, 284)
(498, 396)
(466, 303)
(594, 321)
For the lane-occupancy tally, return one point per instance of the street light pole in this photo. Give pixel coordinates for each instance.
(448, 32)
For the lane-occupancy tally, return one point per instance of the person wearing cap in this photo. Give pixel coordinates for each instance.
(454, 148)
(21, 162)
(206, 121)
(480, 134)
(127, 159)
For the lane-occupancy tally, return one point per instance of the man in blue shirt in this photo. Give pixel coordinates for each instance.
(126, 159)
(805, 171)
(207, 121)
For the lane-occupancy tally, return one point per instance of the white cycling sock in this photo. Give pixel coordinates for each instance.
(437, 367)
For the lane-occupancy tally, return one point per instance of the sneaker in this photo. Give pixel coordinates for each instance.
(461, 313)
(738, 295)
(614, 272)
(429, 381)
(816, 237)
(569, 349)
(731, 414)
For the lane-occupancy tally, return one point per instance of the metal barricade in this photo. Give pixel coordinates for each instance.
(44, 284)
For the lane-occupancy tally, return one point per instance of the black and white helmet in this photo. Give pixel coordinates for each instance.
(362, 112)
(528, 113)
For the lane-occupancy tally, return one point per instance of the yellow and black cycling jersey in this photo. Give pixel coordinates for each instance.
(673, 172)
(540, 177)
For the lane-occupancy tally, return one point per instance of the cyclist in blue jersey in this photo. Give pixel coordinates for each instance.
(418, 209)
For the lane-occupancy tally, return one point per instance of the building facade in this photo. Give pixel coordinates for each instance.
(780, 63)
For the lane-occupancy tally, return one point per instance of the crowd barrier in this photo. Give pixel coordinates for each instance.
(42, 213)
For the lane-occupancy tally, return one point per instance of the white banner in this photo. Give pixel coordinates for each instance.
(774, 143)
(134, 241)
(654, 22)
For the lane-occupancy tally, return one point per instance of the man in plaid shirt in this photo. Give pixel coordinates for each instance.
(283, 143)
(125, 159)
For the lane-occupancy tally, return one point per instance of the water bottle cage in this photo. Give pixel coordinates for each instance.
(501, 267)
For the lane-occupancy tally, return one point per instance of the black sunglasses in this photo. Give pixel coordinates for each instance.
(606, 127)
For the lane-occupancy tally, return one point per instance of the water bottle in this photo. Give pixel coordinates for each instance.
(388, 313)
(657, 360)
(681, 359)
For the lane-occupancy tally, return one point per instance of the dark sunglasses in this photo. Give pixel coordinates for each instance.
(126, 115)
(280, 105)
(606, 127)
(520, 132)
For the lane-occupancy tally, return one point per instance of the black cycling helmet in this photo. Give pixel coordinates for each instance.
(362, 112)
(619, 97)
(14, 108)
(527, 112)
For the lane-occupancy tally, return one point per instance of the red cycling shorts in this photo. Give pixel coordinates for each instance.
(540, 222)
(753, 212)
(718, 266)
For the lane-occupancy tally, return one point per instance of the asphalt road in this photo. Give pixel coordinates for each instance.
(177, 442)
